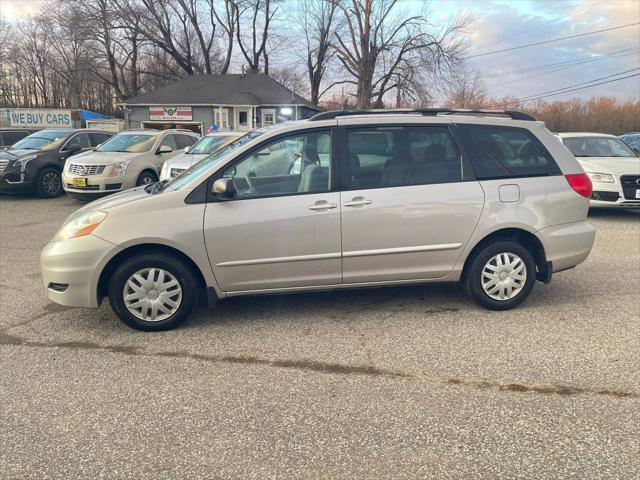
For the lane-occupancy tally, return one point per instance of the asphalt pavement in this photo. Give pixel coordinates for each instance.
(403, 382)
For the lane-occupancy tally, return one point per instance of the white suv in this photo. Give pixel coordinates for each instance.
(612, 166)
(342, 200)
(126, 160)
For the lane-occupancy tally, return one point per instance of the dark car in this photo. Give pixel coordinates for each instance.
(35, 163)
(9, 136)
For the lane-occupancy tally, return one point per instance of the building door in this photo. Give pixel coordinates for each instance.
(243, 119)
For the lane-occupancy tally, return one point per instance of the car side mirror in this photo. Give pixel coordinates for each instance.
(186, 149)
(164, 149)
(224, 188)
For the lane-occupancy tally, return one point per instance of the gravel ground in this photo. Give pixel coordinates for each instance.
(411, 382)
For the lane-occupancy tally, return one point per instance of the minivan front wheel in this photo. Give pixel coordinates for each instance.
(152, 291)
(501, 275)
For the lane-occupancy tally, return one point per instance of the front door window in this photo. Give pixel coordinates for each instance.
(296, 164)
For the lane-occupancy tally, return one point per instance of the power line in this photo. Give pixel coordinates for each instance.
(569, 88)
(572, 12)
(556, 70)
(553, 40)
(558, 64)
(576, 89)
(584, 83)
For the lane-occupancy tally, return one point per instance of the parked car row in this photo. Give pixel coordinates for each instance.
(104, 163)
(35, 163)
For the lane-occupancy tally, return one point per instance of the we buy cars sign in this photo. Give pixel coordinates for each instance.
(170, 113)
(40, 118)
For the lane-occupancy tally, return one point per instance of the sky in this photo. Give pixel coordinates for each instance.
(500, 24)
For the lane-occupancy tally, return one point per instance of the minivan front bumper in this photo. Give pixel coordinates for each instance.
(71, 269)
(567, 245)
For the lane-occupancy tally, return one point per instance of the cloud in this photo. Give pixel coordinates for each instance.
(501, 25)
(13, 10)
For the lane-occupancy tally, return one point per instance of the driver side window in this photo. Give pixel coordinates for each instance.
(79, 141)
(297, 164)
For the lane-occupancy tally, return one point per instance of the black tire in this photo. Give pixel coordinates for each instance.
(146, 178)
(161, 260)
(473, 275)
(49, 183)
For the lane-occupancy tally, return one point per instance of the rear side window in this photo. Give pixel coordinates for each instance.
(169, 141)
(99, 138)
(502, 152)
(397, 156)
(183, 141)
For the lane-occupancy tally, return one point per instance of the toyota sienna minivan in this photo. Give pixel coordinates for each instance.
(491, 200)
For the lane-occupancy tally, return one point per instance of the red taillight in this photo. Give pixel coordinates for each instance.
(581, 183)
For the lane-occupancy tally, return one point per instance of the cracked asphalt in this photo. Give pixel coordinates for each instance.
(410, 382)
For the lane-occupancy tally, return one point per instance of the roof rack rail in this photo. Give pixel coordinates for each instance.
(331, 114)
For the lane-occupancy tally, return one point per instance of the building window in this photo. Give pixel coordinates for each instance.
(221, 117)
(268, 117)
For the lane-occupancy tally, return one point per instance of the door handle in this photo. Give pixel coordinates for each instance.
(323, 206)
(357, 202)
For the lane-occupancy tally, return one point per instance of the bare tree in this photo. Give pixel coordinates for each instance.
(317, 19)
(466, 91)
(253, 19)
(288, 77)
(181, 28)
(378, 42)
(228, 23)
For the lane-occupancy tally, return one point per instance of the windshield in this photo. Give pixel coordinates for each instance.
(597, 147)
(631, 140)
(208, 145)
(129, 142)
(45, 140)
(181, 181)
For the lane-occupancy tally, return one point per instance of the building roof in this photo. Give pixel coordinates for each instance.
(222, 89)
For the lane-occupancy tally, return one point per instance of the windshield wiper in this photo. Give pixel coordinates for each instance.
(156, 187)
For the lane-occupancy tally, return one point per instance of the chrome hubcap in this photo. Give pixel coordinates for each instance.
(152, 294)
(504, 276)
(51, 183)
(146, 180)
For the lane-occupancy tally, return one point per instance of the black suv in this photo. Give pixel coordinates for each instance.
(11, 135)
(35, 163)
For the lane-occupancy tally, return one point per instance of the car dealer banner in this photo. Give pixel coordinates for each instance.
(40, 118)
(170, 113)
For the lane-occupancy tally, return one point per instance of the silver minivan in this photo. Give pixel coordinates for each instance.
(491, 200)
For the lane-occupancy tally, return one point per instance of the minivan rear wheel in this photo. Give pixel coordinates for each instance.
(501, 275)
(153, 291)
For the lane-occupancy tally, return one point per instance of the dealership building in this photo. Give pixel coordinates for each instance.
(238, 102)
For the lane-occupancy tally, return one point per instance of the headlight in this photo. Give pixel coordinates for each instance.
(81, 226)
(164, 173)
(601, 177)
(120, 168)
(22, 162)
